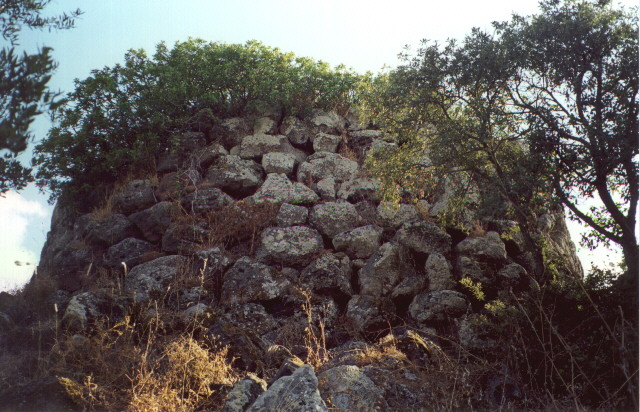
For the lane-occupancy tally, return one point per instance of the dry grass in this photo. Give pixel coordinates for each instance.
(105, 208)
(239, 223)
(132, 366)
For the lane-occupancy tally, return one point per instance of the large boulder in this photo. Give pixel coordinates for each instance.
(129, 252)
(326, 143)
(293, 245)
(254, 146)
(347, 388)
(438, 306)
(87, 307)
(370, 314)
(205, 200)
(487, 248)
(361, 188)
(294, 393)
(331, 218)
(235, 175)
(149, 280)
(480, 258)
(326, 188)
(360, 242)
(251, 281)
(278, 188)
(438, 270)
(330, 274)
(203, 158)
(296, 131)
(154, 221)
(183, 238)
(321, 165)
(110, 230)
(423, 237)
(244, 393)
(137, 195)
(382, 271)
(278, 163)
(328, 122)
(394, 215)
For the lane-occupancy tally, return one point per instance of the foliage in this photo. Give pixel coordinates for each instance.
(544, 106)
(578, 88)
(23, 84)
(120, 117)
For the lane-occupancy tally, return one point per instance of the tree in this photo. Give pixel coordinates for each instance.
(577, 82)
(546, 105)
(23, 84)
(120, 118)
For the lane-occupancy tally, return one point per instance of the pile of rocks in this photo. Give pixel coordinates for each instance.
(367, 264)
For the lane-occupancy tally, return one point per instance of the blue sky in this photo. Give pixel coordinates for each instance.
(363, 35)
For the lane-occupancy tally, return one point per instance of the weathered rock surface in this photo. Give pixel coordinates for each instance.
(254, 146)
(393, 216)
(244, 393)
(295, 393)
(110, 230)
(128, 252)
(360, 242)
(330, 274)
(424, 237)
(149, 280)
(326, 143)
(292, 215)
(438, 306)
(348, 388)
(382, 271)
(485, 248)
(183, 238)
(293, 245)
(438, 271)
(322, 165)
(361, 188)
(206, 200)
(331, 218)
(278, 188)
(278, 163)
(235, 175)
(137, 195)
(326, 188)
(370, 314)
(251, 281)
(154, 221)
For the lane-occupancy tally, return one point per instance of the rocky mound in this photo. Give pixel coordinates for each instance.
(270, 236)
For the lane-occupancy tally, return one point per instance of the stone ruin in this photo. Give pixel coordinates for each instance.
(250, 222)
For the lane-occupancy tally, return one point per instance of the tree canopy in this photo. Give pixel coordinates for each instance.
(23, 84)
(542, 110)
(118, 118)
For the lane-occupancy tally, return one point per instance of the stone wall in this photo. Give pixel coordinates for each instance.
(316, 224)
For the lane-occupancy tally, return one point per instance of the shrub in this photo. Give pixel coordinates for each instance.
(119, 118)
